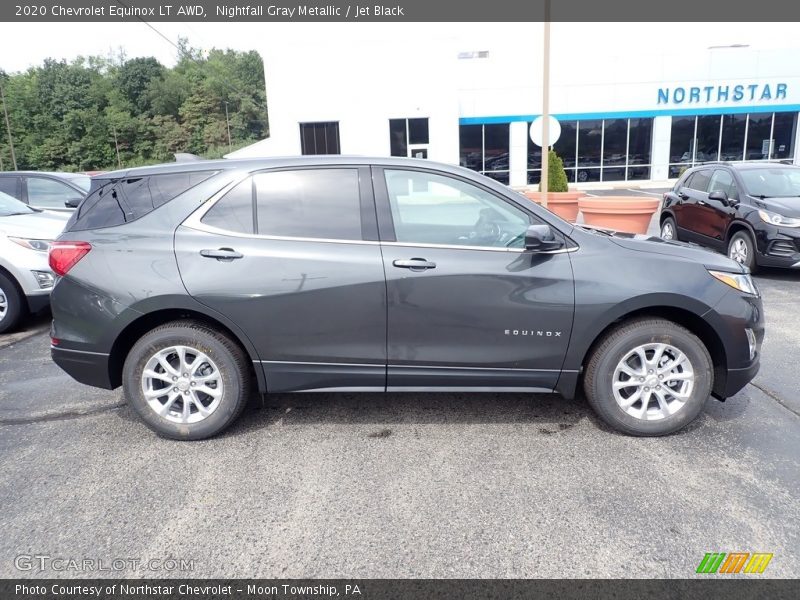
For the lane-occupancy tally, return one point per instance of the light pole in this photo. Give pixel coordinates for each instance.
(8, 128)
(228, 123)
(546, 104)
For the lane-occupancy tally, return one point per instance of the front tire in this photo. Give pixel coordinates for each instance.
(649, 377)
(742, 249)
(186, 381)
(11, 304)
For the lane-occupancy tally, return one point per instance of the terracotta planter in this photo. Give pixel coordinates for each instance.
(621, 213)
(564, 204)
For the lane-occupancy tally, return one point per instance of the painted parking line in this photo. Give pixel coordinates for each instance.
(644, 192)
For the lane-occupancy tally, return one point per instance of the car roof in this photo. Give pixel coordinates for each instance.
(745, 166)
(58, 174)
(272, 162)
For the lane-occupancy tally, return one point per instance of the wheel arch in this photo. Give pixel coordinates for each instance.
(148, 321)
(682, 316)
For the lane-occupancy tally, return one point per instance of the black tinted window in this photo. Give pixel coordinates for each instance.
(310, 203)
(114, 202)
(9, 185)
(234, 211)
(699, 181)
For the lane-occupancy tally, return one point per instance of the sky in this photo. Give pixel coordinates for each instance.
(23, 45)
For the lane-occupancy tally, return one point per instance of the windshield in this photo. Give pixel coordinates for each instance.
(772, 183)
(12, 206)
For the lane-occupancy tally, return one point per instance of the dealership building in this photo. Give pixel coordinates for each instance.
(625, 113)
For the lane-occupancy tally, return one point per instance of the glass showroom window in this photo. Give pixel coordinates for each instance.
(484, 148)
(600, 150)
(757, 136)
(408, 132)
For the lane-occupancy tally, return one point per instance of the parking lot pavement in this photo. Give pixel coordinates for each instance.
(417, 485)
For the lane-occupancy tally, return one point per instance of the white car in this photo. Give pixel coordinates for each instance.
(25, 275)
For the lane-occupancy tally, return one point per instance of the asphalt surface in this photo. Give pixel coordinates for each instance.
(416, 485)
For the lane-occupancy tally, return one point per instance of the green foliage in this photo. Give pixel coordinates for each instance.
(556, 175)
(76, 116)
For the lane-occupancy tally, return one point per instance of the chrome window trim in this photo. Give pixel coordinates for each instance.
(194, 221)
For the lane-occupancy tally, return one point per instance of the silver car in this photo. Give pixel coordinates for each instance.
(25, 276)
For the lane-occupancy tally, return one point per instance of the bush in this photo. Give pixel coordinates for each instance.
(556, 175)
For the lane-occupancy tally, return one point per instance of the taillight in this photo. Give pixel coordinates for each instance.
(65, 255)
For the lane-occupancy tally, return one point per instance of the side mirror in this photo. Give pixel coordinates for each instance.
(540, 238)
(720, 196)
(72, 202)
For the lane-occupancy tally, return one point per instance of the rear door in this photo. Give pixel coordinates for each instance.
(11, 185)
(292, 257)
(468, 306)
(692, 194)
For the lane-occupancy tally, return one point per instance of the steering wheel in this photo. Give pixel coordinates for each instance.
(486, 229)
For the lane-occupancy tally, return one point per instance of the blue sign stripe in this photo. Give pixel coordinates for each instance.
(636, 114)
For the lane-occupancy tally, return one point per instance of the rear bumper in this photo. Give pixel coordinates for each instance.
(90, 368)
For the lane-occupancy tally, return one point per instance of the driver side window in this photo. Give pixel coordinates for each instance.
(435, 209)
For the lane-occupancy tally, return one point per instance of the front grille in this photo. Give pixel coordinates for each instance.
(782, 249)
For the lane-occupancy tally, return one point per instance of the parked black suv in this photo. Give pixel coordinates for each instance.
(751, 211)
(185, 283)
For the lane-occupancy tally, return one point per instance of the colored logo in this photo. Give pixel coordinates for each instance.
(734, 562)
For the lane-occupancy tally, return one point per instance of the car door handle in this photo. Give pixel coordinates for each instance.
(415, 264)
(221, 254)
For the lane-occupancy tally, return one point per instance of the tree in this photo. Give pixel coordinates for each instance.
(556, 175)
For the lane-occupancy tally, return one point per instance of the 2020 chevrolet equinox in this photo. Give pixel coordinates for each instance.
(190, 283)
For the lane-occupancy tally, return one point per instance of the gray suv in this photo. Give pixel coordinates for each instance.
(190, 283)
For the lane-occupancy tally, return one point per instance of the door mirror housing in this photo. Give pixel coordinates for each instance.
(722, 196)
(72, 202)
(540, 238)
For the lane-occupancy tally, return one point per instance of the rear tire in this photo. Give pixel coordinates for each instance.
(669, 230)
(186, 381)
(742, 249)
(673, 381)
(12, 304)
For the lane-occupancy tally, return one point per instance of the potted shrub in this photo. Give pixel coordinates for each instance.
(631, 214)
(560, 199)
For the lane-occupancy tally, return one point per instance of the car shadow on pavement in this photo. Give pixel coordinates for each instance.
(791, 275)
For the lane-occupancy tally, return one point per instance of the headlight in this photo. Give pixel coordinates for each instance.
(740, 281)
(38, 245)
(776, 219)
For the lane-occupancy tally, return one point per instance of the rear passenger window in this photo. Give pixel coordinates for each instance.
(10, 186)
(234, 211)
(699, 181)
(118, 201)
(309, 203)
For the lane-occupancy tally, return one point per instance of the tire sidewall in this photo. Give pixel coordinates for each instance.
(157, 340)
(671, 221)
(686, 343)
(751, 248)
(14, 304)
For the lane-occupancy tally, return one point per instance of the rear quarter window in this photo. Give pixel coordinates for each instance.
(116, 201)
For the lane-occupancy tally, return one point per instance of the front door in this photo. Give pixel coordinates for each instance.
(292, 257)
(468, 307)
(716, 214)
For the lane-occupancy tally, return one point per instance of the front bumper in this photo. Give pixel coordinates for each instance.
(90, 368)
(779, 247)
(736, 379)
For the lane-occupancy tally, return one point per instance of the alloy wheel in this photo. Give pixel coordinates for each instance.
(182, 384)
(738, 251)
(653, 381)
(3, 304)
(667, 233)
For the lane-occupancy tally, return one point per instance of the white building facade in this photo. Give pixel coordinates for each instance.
(461, 96)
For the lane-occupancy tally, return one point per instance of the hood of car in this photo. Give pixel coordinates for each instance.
(681, 250)
(788, 207)
(40, 226)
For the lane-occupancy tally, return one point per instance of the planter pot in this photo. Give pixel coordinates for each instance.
(564, 204)
(631, 214)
